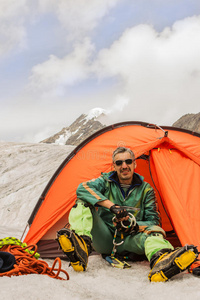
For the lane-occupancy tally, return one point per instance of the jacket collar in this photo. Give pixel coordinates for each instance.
(137, 179)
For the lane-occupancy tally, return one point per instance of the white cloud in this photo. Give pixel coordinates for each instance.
(144, 75)
(12, 29)
(54, 75)
(156, 71)
(78, 17)
(120, 102)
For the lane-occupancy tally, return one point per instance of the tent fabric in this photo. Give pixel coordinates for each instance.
(181, 197)
(173, 165)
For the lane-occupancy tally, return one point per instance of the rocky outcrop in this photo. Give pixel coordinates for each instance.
(189, 121)
(79, 130)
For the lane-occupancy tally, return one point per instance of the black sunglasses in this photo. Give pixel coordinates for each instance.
(127, 161)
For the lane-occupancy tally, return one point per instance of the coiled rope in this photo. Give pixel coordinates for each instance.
(26, 263)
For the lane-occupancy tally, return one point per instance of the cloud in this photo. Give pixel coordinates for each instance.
(78, 17)
(54, 75)
(12, 28)
(156, 71)
(141, 51)
(156, 74)
(120, 102)
(143, 75)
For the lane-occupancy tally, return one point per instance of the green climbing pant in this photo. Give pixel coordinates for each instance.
(85, 220)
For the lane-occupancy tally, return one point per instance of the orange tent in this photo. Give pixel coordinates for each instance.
(168, 158)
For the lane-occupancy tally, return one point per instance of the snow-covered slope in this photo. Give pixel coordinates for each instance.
(25, 171)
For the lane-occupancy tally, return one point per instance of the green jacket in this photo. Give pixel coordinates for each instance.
(139, 199)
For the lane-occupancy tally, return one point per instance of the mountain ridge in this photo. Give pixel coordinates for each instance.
(189, 121)
(87, 124)
(84, 126)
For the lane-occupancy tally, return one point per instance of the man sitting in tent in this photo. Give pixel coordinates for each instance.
(120, 208)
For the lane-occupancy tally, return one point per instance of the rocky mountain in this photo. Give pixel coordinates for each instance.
(189, 121)
(80, 129)
(87, 124)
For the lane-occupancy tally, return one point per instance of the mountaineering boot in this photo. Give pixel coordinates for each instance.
(77, 248)
(167, 263)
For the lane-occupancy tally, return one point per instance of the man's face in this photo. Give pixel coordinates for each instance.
(124, 171)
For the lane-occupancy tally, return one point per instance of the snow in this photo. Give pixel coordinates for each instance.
(95, 113)
(25, 170)
(63, 138)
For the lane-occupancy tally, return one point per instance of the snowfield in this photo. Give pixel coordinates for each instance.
(25, 170)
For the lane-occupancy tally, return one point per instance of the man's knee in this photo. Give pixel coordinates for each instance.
(154, 230)
(80, 219)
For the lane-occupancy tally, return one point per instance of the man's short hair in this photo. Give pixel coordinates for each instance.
(122, 150)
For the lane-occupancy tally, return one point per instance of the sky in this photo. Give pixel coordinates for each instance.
(137, 59)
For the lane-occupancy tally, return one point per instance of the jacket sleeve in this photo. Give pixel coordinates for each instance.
(92, 191)
(151, 215)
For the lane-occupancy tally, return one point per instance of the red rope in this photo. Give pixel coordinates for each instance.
(26, 263)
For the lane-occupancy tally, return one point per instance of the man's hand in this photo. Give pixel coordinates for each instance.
(122, 217)
(120, 212)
